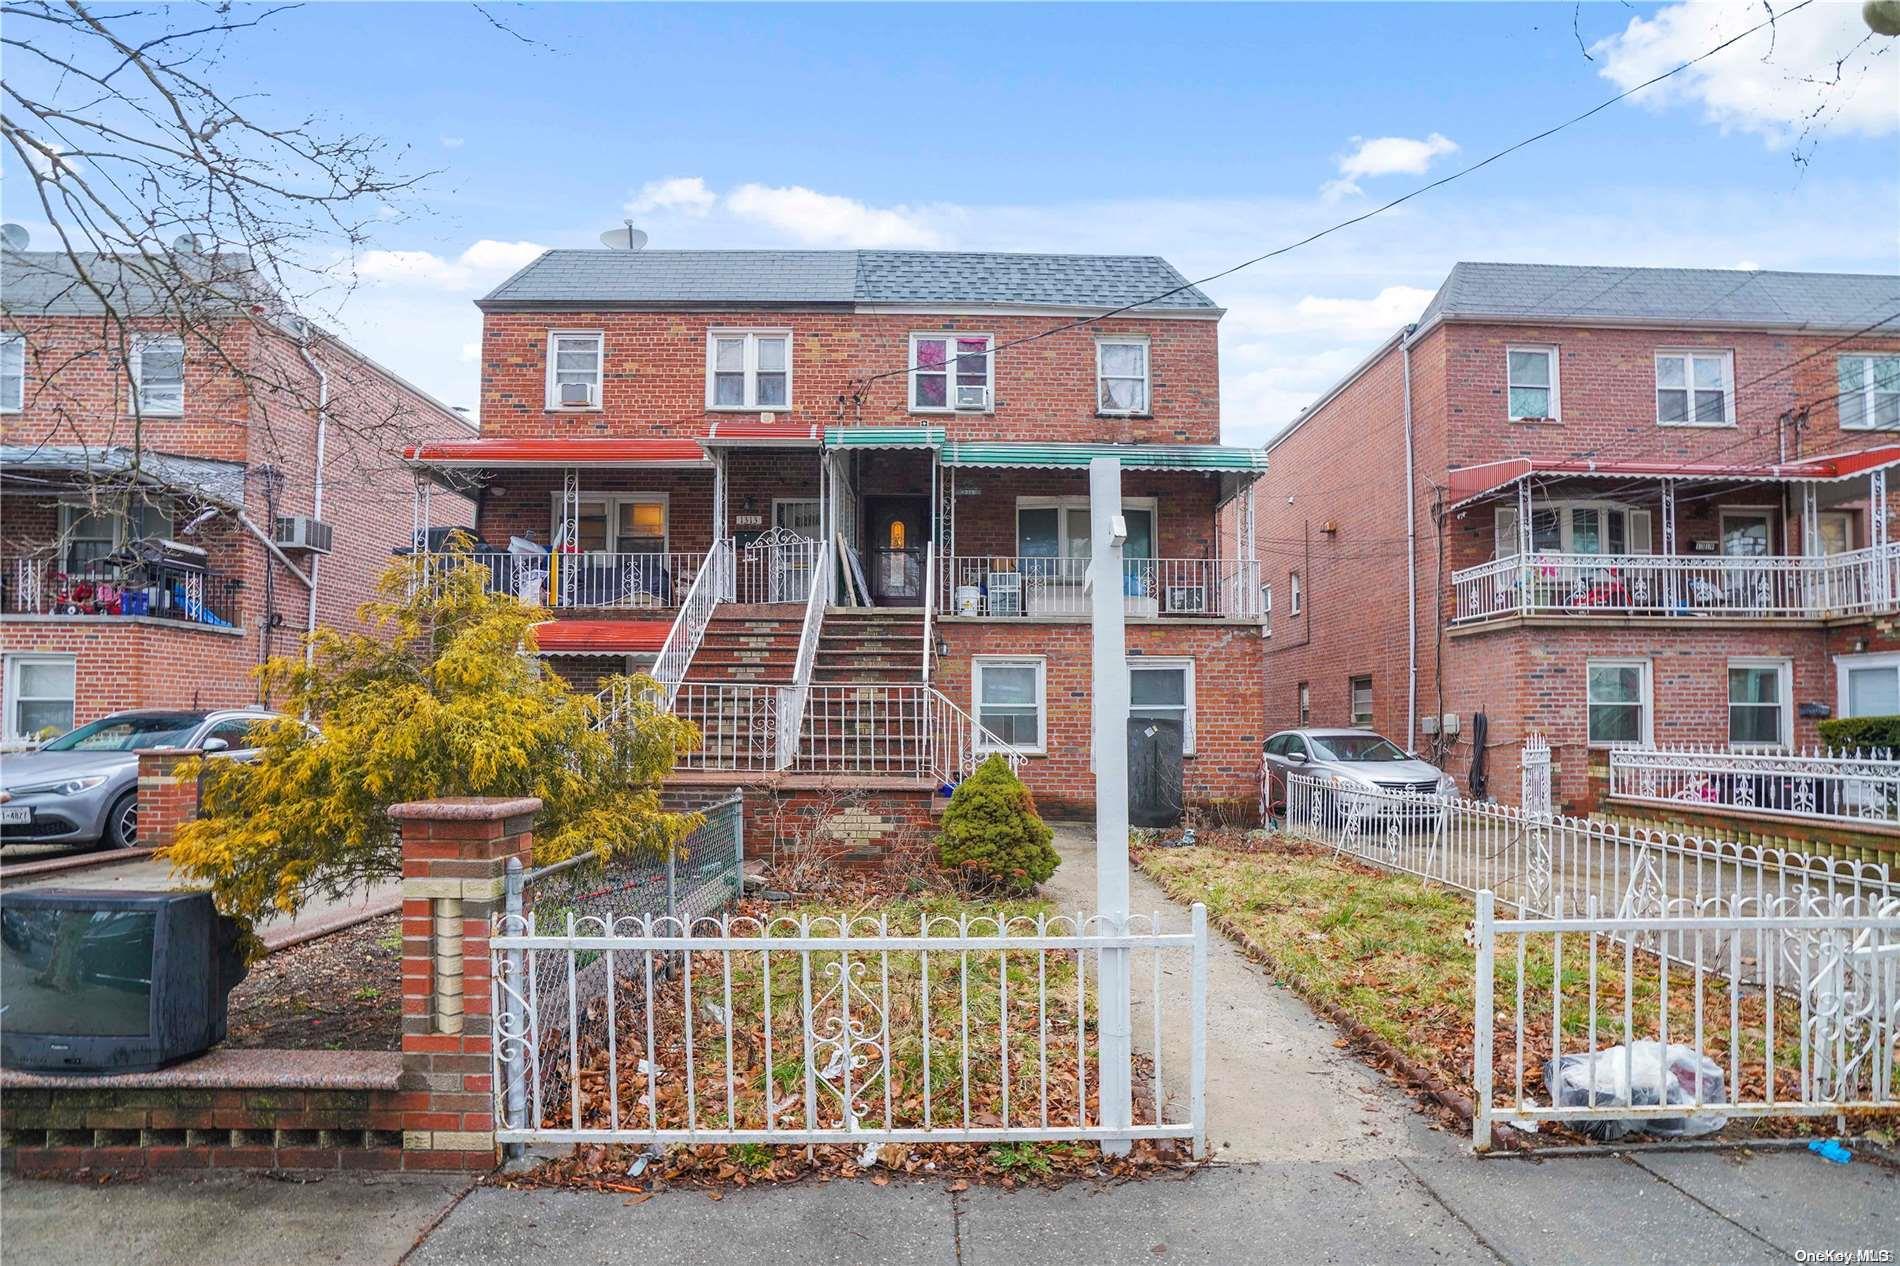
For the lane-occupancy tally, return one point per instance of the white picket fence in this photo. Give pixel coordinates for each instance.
(836, 1029)
(1856, 788)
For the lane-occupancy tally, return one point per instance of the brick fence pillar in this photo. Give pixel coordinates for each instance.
(166, 801)
(454, 867)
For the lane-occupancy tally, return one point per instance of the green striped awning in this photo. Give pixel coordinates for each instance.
(1218, 458)
(884, 437)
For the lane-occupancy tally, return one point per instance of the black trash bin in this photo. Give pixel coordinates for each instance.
(1154, 771)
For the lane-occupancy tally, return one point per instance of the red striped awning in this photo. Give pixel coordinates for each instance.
(499, 451)
(601, 637)
(751, 431)
(1469, 483)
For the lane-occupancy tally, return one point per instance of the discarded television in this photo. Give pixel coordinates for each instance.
(112, 981)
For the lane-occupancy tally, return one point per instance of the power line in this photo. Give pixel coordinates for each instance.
(1363, 216)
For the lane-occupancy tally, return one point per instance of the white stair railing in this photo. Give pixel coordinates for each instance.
(711, 586)
(930, 601)
(792, 712)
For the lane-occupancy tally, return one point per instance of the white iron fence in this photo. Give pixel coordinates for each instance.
(577, 579)
(836, 1029)
(905, 730)
(1056, 588)
(1856, 582)
(1855, 788)
(779, 566)
(1739, 1006)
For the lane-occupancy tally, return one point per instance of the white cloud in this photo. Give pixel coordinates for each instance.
(826, 219)
(471, 352)
(483, 263)
(1386, 156)
(687, 195)
(1816, 68)
(453, 142)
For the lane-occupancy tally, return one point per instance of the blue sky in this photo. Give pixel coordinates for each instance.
(1202, 133)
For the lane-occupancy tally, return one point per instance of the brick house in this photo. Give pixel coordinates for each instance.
(777, 479)
(1643, 506)
(179, 506)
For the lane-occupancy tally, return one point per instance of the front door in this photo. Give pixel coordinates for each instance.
(895, 531)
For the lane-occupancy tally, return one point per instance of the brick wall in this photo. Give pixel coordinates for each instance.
(655, 380)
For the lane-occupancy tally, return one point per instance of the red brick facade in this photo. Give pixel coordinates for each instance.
(1332, 509)
(250, 401)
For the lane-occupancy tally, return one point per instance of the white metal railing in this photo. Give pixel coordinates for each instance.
(711, 584)
(1783, 587)
(901, 730)
(777, 567)
(597, 579)
(836, 1029)
(741, 724)
(1680, 1040)
(930, 605)
(40, 586)
(1057, 588)
(809, 636)
(1856, 788)
(1530, 861)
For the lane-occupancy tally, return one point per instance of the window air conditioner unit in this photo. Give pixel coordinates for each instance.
(577, 393)
(977, 398)
(1187, 599)
(301, 532)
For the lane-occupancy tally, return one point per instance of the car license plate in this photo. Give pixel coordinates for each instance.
(15, 814)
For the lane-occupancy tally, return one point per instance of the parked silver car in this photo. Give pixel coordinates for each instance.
(1340, 762)
(83, 787)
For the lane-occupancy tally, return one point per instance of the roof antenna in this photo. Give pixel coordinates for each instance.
(626, 238)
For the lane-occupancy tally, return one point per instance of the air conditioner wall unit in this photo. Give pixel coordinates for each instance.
(577, 393)
(1187, 598)
(973, 398)
(301, 532)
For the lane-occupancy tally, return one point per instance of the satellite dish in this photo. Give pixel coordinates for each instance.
(188, 244)
(626, 238)
(15, 236)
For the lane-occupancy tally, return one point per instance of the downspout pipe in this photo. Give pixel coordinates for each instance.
(1411, 551)
(316, 500)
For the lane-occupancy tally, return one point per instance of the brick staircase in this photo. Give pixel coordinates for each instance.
(857, 718)
(870, 644)
(753, 643)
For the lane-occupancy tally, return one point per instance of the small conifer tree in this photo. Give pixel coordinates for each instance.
(992, 833)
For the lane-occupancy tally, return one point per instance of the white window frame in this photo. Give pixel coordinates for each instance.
(1771, 514)
(14, 662)
(1646, 718)
(1352, 687)
(613, 501)
(1293, 593)
(1303, 703)
(120, 515)
(12, 345)
(1638, 524)
(1688, 357)
(951, 337)
(140, 345)
(1147, 375)
(1865, 390)
(1167, 663)
(553, 396)
(1850, 522)
(1843, 664)
(978, 664)
(750, 370)
(1555, 411)
(1062, 506)
(1784, 690)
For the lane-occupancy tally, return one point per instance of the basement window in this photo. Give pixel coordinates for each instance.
(1010, 702)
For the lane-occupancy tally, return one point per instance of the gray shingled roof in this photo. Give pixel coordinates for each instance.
(845, 277)
(46, 283)
(1676, 296)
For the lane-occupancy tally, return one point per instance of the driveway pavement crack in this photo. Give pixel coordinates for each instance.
(1456, 1216)
(956, 1225)
(1695, 1199)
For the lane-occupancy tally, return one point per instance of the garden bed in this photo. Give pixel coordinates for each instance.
(1389, 956)
(341, 991)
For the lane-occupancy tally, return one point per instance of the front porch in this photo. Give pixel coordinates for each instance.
(1797, 541)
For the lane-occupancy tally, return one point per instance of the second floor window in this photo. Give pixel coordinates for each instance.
(1870, 392)
(158, 375)
(1121, 375)
(1531, 382)
(749, 369)
(1293, 593)
(951, 371)
(12, 373)
(1360, 691)
(574, 369)
(1694, 389)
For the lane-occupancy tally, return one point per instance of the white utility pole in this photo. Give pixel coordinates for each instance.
(1109, 710)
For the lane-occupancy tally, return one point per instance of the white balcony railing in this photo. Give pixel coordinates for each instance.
(584, 579)
(696, 612)
(1856, 788)
(1768, 587)
(1057, 588)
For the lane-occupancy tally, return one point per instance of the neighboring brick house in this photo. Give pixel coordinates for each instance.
(928, 415)
(1646, 505)
(177, 505)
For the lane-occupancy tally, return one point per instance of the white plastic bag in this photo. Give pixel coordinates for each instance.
(1647, 1073)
